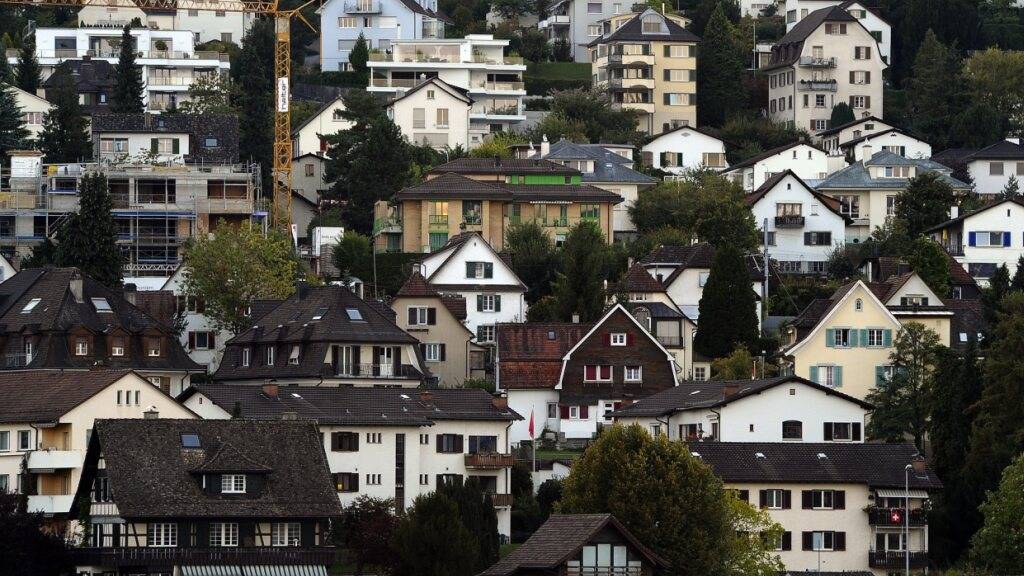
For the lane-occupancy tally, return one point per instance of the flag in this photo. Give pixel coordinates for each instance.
(531, 424)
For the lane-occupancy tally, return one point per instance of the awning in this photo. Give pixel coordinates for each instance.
(211, 571)
(293, 570)
(889, 493)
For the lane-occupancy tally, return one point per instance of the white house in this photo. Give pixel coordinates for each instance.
(33, 110)
(467, 265)
(806, 161)
(684, 148)
(891, 140)
(380, 22)
(308, 137)
(436, 114)
(869, 17)
(206, 25)
(991, 167)
(802, 226)
(203, 343)
(986, 238)
(830, 139)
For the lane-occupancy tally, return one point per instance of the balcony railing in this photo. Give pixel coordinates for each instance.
(406, 56)
(501, 500)
(789, 221)
(878, 516)
(46, 460)
(373, 371)
(817, 62)
(494, 461)
(15, 360)
(109, 52)
(897, 559)
(818, 85)
(671, 341)
(129, 556)
(387, 225)
(362, 7)
(497, 86)
(437, 219)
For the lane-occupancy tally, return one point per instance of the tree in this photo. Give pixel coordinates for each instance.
(1011, 190)
(704, 12)
(497, 144)
(729, 300)
(931, 263)
(993, 294)
(719, 71)
(366, 528)
(476, 511)
(998, 548)
(740, 365)
(841, 114)
(561, 50)
(234, 268)
(549, 493)
(924, 203)
(358, 57)
(43, 254)
(65, 133)
(1000, 24)
(976, 126)
(353, 256)
(6, 73)
(532, 258)
(253, 73)
(667, 498)
(29, 548)
(12, 125)
(754, 134)
(1017, 284)
(533, 45)
(431, 540)
(28, 73)
(511, 10)
(985, 73)
(88, 241)
(934, 92)
(586, 114)
(209, 95)
(579, 285)
(128, 90)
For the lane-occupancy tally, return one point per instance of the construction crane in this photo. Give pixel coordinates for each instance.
(282, 154)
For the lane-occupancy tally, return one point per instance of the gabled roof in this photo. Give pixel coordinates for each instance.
(637, 279)
(608, 166)
(321, 110)
(829, 202)
(451, 185)
(768, 154)
(529, 355)
(455, 245)
(857, 175)
(38, 396)
(469, 165)
(1002, 150)
(632, 30)
(844, 126)
(787, 50)
(700, 255)
(454, 91)
(819, 310)
(418, 287)
(967, 215)
(874, 135)
(682, 128)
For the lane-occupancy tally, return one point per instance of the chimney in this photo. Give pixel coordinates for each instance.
(919, 465)
(730, 390)
(575, 318)
(302, 289)
(130, 292)
(500, 402)
(426, 396)
(76, 286)
(545, 146)
(270, 389)
(151, 413)
(866, 151)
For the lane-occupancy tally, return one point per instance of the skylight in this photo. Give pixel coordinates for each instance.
(101, 305)
(320, 312)
(190, 441)
(354, 314)
(31, 305)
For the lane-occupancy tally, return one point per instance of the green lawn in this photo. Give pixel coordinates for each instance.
(559, 70)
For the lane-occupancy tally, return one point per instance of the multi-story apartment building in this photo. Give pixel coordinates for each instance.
(388, 442)
(579, 22)
(827, 58)
(476, 64)
(985, 239)
(648, 62)
(205, 25)
(990, 167)
(44, 434)
(234, 495)
(844, 507)
(169, 60)
(868, 15)
(381, 23)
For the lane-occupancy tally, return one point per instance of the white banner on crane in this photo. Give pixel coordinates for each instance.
(282, 94)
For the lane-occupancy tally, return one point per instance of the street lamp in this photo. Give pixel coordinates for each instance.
(906, 516)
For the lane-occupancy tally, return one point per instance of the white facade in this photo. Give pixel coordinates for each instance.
(992, 166)
(687, 288)
(894, 141)
(435, 115)
(203, 343)
(796, 10)
(33, 110)
(690, 149)
(986, 239)
(173, 147)
(806, 161)
(831, 139)
(307, 138)
(209, 25)
(206, 25)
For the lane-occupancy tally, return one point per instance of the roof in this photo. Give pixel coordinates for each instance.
(873, 135)
(829, 202)
(456, 186)
(54, 393)
(559, 539)
(637, 279)
(857, 175)
(876, 465)
(328, 104)
(418, 287)
(530, 354)
(700, 255)
(608, 166)
(420, 9)
(455, 91)
(220, 129)
(967, 215)
(968, 319)
(691, 395)
(152, 475)
(350, 406)
(768, 154)
(680, 129)
(497, 165)
(1002, 150)
(845, 125)
(787, 50)
(632, 30)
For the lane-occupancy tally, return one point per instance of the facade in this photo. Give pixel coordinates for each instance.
(648, 62)
(94, 82)
(308, 137)
(684, 148)
(44, 434)
(802, 226)
(990, 167)
(827, 58)
(435, 114)
(842, 506)
(579, 23)
(985, 239)
(892, 140)
(381, 22)
(571, 377)
(56, 318)
(476, 64)
(233, 493)
(388, 442)
(203, 342)
(806, 161)
(205, 25)
(780, 409)
(170, 139)
(867, 189)
(830, 139)
(869, 16)
(33, 110)
(308, 183)
(324, 336)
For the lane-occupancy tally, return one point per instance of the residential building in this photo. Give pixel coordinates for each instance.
(388, 442)
(844, 506)
(648, 62)
(867, 189)
(476, 63)
(963, 286)
(868, 15)
(827, 58)
(381, 22)
(169, 60)
(438, 321)
(436, 114)
(120, 13)
(990, 167)
(94, 82)
(233, 493)
(324, 336)
(486, 196)
(684, 148)
(205, 25)
(309, 173)
(33, 110)
(779, 409)
(830, 139)
(44, 434)
(801, 226)
(985, 239)
(56, 318)
(570, 377)
(199, 337)
(171, 138)
(309, 137)
(891, 140)
(806, 161)
(580, 23)
(580, 544)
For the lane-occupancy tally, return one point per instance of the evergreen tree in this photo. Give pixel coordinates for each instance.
(729, 306)
(43, 254)
(28, 74)
(65, 134)
(719, 72)
(478, 516)
(579, 286)
(30, 548)
(6, 72)
(432, 541)
(532, 258)
(1012, 189)
(931, 263)
(254, 77)
(128, 88)
(841, 114)
(358, 57)
(88, 241)
(12, 125)
(924, 203)
(993, 294)
(935, 92)
(1017, 284)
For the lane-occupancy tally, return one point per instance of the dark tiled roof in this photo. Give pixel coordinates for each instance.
(841, 127)
(818, 309)
(608, 166)
(877, 465)
(530, 354)
(153, 476)
(90, 77)
(637, 279)
(468, 165)
(417, 286)
(456, 186)
(700, 255)
(46, 395)
(657, 309)
(342, 406)
(829, 202)
(456, 305)
(420, 9)
(260, 308)
(787, 50)
(221, 128)
(1002, 150)
(966, 215)
(632, 30)
(162, 305)
(857, 175)
(968, 319)
(460, 93)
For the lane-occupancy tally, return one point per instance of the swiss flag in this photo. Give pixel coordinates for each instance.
(531, 424)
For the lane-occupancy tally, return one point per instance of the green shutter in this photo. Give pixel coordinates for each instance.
(679, 158)
(863, 336)
(479, 302)
(887, 337)
(830, 338)
(175, 146)
(497, 302)
(154, 145)
(837, 376)
(879, 375)
(814, 374)
(853, 337)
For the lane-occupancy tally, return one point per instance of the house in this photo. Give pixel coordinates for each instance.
(309, 172)
(324, 336)
(990, 167)
(806, 161)
(830, 139)
(438, 321)
(476, 64)
(867, 189)
(203, 341)
(802, 226)
(891, 140)
(171, 138)
(436, 114)
(779, 409)
(570, 377)
(44, 434)
(119, 13)
(487, 196)
(387, 442)
(868, 15)
(580, 544)
(94, 82)
(468, 267)
(206, 25)
(985, 239)
(827, 58)
(232, 493)
(684, 148)
(844, 506)
(309, 136)
(963, 286)
(58, 319)
(648, 62)
(33, 110)
(381, 23)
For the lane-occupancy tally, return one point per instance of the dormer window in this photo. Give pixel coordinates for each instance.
(153, 347)
(101, 305)
(232, 484)
(246, 356)
(117, 346)
(897, 172)
(653, 24)
(31, 305)
(320, 313)
(81, 346)
(270, 355)
(293, 358)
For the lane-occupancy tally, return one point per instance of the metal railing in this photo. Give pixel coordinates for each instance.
(225, 555)
(15, 360)
(374, 371)
(817, 62)
(818, 85)
(501, 500)
(878, 516)
(444, 59)
(153, 54)
(789, 221)
(896, 559)
(437, 219)
(500, 85)
(362, 7)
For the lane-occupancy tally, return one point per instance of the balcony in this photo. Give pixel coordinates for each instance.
(438, 221)
(895, 516)
(501, 500)
(554, 20)
(213, 556)
(630, 59)
(817, 85)
(53, 460)
(670, 341)
(372, 371)
(103, 509)
(897, 560)
(646, 107)
(493, 461)
(789, 221)
(817, 62)
(604, 571)
(51, 505)
(497, 86)
(394, 82)
(363, 7)
(15, 360)
(628, 83)
(391, 224)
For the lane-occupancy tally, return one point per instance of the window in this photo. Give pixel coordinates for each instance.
(153, 347)
(232, 484)
(190, 441)
(831, 376)
(890, 541)
(792, 430)
(774, 499)
(479, 269)
(293, 356)
(817, 238)
(860, 101)
(344, 442)
(309, 169)
(223, 534)
(593, 7)
(594, 30)
(860, 77)
(678, 51)
(677, 99)
(890, 205)
(424, 439)
(162, 534)
(862, 53)
(822, 499)
(432, 352)
(489, 303)
(788, 209)
(346, 22)
(702, 278)
(618, 338)
(270, 355)
(31, 305)
(442, 117)
(485, 333)
(449, 443)
(419, 118)
(113, 146)
(819, 100)
(117, 346)
(286, 534)
(634, 373)
(837, 28)
(989, 239)
(5, 440)
(771, 238)
(823, 541)
(700, 373)
(424, 479)
(373, 480)
(874, 337)
(246, 356)
(421, 316)
(431, 95)
(483, 444)
(653, 24)
(24, 440)
(841, 337)
(374, 438)
(552, 411)
(200, 340)
(320, 313)
(849, 206)
(354, 314)
(840, 431)
(346, 482)
(210, 143)
(595, 373)
(897, 171)
(81, 346)
(574, 412)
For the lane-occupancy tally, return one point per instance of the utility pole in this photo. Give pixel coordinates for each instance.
(767, 272)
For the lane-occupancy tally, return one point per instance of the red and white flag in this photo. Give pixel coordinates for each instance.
(531, 424)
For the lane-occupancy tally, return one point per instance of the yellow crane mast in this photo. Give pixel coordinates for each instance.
(282, 153)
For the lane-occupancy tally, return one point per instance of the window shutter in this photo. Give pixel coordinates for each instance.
(668, 50)
(972, 238)
(458, 443)
(442, 351)
(840, 541)
(763, 498)
(867, 101)
(679, 158)
(630, 339)
(335, 441)
(852, 74)
(787, 541)
(666, 98)
(742, 495)
(470, 269)
(787, 499)
(355, 441)
(856, 431)
(423, 350)
(212, 343)
(667, 75)
(497, 302)
(431, 316)
(412, 316)
(607, 338)
(839, 499)
(440, 447)
(1006, 239)
(154, 145)
(663, 159)
(837, 376)
(488, 270)
(851, 102)
(814, 374)
(863, 336)
(808, 540)
(887, 337)
(175, 147)
(853, 338)
(830, 338)
(879, 375)
(806, 500)
(584, 412)
(563, 411)
(827, 432)
(867, 77)
(647, 158)
(479, 302)
(191, 340)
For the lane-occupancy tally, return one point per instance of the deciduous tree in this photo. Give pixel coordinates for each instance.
(532, 257)
(992, 75)
(931, 263)
(924, 203)
(128, 90)
(366, 529)
(353, 256)
(741, 365)
(65, 133)
(998, 548)
(29, 548)
(209, 95)
(591, 113)
(88, 240)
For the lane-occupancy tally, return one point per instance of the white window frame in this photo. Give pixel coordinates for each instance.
(162, 535)
(432, 352)
(232, 484)
(286, 534)
(81, 346)
(633, 373)
(270, 355)
(488, 302)
(422, 315)
(818, 540)
(224, 535)
(876, 336)
(618, 339)
(825, 500)
(835, 337)
(574, 412)
(24, 440)
(246, 356)
(773, 499)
